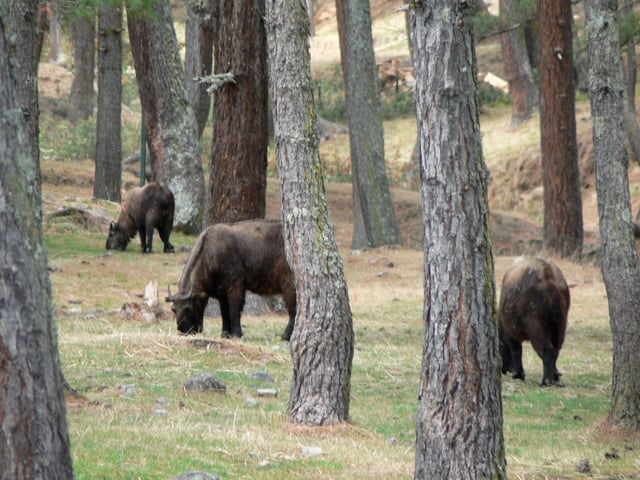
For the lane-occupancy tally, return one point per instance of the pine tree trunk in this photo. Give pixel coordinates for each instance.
(322, 341)
(375, 223)
(34, 438)
(199, 57)
(459, 419)
(522, 86)
(82, 96)
(620, 265)
(108, 173)
(563, 229)
(238, 172)
(23, 17)
(172, 135)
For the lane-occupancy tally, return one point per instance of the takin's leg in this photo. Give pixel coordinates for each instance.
(548, 353)
(235, 305)
(549, 356)
(149, 229)
(505, 353)
(515, 348)
(164, 236)
(226, 322)
(143, 239)
(290, 301)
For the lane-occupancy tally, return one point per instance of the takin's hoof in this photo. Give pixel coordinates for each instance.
(518, 375)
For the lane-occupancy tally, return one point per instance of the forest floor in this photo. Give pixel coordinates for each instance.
(104, 343)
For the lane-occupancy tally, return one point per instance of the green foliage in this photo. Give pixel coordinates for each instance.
(331, 104)
(61, 139)
(489, 96)
(329, 96)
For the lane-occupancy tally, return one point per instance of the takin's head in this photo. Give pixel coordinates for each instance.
(189, 311)
(118, 238)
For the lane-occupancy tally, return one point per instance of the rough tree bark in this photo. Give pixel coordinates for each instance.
(375, 223)
(322, 341)
(198, 60)
(108, 173)
(620, 265)
(459, 419)
(172, 135)
(23, 18)
(82, 96)
(238, 171)
(522, 86)
(34, 438)
(563, 229)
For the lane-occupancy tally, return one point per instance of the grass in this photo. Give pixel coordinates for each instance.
(548, 432)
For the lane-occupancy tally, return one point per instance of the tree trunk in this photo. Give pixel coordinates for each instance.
(522, 85)
(172, 134)
(199, 57)
(375, 223)
(34, 438)
(322, 341)
(55, 36)
(620, 266)
(82, 97)
(238, 172)
(631, 121)
(23, 17)
(560, 173)
(108, 174)
(459, 419)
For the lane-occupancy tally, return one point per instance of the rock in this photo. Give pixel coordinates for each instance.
(130, 389)
(267, 392)
(262, 376)
(196, 476)
(250, 402)
(205, 381)
(311, 451)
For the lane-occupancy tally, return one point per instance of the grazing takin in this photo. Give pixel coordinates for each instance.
(225, 262)
(534, 303)
(146, 208)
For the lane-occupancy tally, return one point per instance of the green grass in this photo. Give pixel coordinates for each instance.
(548, 431)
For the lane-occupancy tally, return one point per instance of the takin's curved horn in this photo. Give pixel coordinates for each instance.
(170, 298)
(188, 295)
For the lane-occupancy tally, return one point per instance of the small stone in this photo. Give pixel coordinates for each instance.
(262, 376)
(130, 389)
(311, 451)
(584, 466)
(205, 381)
(267, 392)
(250, 402)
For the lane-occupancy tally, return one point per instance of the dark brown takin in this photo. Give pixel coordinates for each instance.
(225, 262)
(146, 208)
(534, 304)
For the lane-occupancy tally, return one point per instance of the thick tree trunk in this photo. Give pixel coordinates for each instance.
(522, 85)
(199, 57)
(620, 265)
(23, 17)
(459, 419)
(172, 135)
(322, 341)
(34, 438)
(108, 173)
(375, 223)
(82, 97)
(563, 229)
(238, 172)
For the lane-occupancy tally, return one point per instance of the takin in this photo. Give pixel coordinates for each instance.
(225, 262)
(534, 304)
(146, 208)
